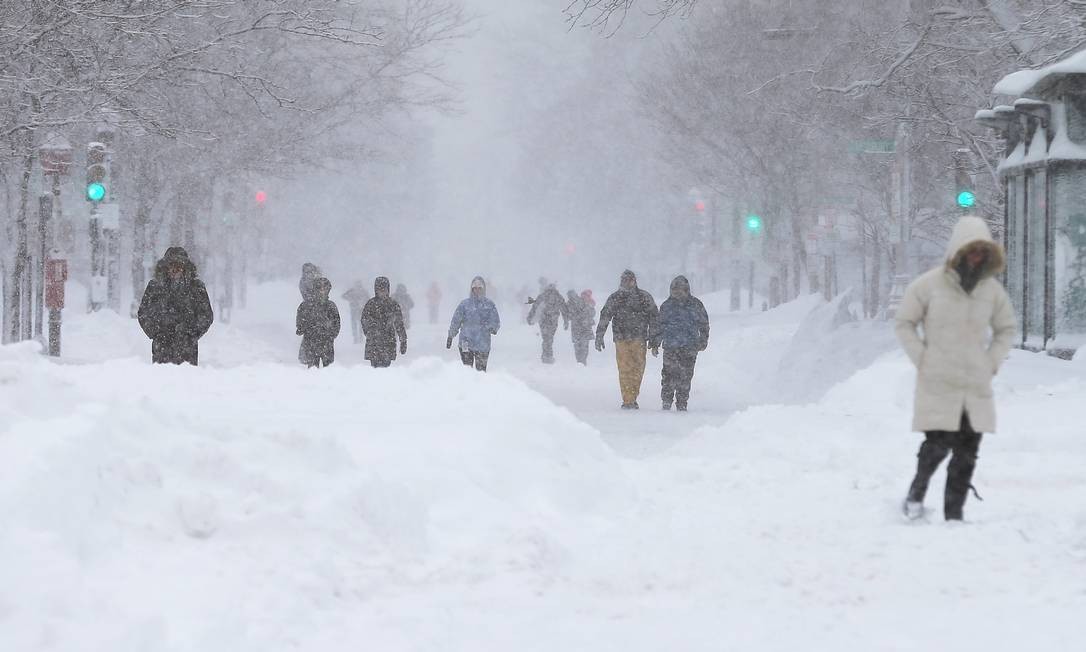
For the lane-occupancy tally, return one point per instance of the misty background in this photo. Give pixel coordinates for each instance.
(433, 140)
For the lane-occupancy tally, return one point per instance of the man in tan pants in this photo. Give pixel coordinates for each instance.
(632, 313)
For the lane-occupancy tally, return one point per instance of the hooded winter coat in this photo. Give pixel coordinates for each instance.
(966, 337)
(175, 314)
(633, 312)
(476, 320)
(382, 322)
(683, 323)
(582, 316)
(317, 321)
(548, 307)
(356, 296)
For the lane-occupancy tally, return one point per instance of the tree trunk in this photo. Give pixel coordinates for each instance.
(866, 294)
(140, 251)
(19, 327)
(876, 277)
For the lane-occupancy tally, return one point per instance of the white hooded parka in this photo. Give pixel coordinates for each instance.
(966, 336)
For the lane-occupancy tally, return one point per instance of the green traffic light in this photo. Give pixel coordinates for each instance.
(966, 199)
(754, 223)
(96, 191)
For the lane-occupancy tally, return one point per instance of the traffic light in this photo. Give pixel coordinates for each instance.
(96, 172)
(261, 197)
(754, 223)
(966, 199)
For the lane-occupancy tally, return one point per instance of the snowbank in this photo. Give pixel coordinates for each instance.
(807, 519)
(160, 508)
(829, 346)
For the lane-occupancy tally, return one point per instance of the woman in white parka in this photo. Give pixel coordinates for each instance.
(968, 326)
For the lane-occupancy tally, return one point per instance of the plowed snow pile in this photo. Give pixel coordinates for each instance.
(163, 508)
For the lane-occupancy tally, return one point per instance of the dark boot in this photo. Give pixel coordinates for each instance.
(959, 474)
(932, 453)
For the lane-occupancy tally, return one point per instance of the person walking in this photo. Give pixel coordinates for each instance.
(405, 302)
(433, 300)
(356, 297)
(968, 326)
(582, 316)
(633, 312)
(683, 330)
(476, 319)
(175, 311)
(383, 324)
(318, 323)
(546, 308)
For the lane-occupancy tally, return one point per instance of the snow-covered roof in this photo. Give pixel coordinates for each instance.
(1020, 83)
(1026, 103)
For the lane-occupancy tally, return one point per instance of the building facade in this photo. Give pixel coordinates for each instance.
(1043, 173)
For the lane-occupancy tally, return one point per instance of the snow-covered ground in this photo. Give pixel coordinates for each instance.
(250, 504)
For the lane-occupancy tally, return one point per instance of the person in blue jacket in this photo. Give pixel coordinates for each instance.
(683, 330)
(476, 320)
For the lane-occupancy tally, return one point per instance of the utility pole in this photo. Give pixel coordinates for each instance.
(95, 193)
(45, 211)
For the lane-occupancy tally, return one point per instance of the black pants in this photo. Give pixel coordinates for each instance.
(677, 374)
(580, 349)
(547, 331)
(470, 358)
(316, 354)
(964, 444)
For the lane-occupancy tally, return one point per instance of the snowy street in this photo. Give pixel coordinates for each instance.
(250, 504)
(542, 326)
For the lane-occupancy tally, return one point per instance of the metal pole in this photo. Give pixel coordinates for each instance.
(45, 211)
(97, 270)
(113, 269)
(54, 332)
(750, 301)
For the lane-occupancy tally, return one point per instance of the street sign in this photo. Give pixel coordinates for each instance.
(872, 147)
(56, 273)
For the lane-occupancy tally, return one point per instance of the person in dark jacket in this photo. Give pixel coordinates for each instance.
(318, 324)
(546, 308)
(175, 311)
(307, 285)
(356, 297)
(683, 330)
(406, 303)
(582, 317)
(382, 322)
(475, 320)
(632, 314)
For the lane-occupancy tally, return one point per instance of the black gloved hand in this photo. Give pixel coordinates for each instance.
(599, 343)
(403, 348)
(448, 343)
(656, 351)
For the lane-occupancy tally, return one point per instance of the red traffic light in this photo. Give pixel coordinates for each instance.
(261, 196)
(570, 248)
(699, 206)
